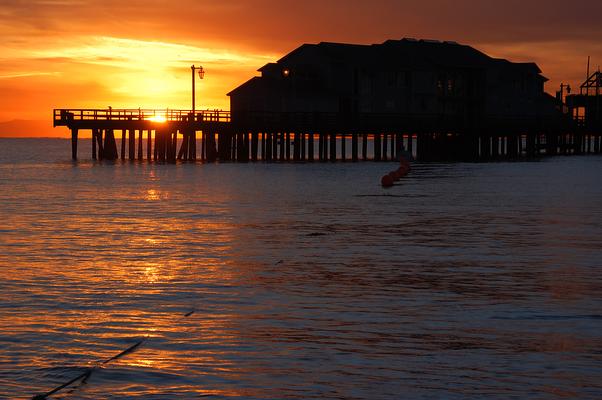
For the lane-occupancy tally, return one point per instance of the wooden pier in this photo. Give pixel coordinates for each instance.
(162, 130)
(212, 135)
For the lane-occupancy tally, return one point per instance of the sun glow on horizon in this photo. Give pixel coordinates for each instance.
(158, 118)
(96, 71)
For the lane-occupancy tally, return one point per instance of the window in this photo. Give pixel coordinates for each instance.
(441, 85)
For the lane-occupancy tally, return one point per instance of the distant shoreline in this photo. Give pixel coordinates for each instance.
(38, 137)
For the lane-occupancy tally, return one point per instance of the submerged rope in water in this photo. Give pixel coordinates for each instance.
(85, 375)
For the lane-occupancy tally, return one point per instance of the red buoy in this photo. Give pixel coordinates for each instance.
(395, 175)
(403, 170)
(404, 162)
(386, 181)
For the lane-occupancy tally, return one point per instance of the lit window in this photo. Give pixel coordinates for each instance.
(450, 86)
(286, 72)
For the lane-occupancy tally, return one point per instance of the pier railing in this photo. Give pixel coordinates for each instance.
(64, 116)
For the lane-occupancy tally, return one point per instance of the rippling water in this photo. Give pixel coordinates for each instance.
(307, 280)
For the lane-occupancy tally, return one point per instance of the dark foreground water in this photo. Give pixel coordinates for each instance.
(309, 281)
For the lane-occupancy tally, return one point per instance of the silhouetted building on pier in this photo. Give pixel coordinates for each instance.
(427, 99)
(412, 83)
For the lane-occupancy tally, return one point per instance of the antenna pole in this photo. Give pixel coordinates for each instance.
(587, 76)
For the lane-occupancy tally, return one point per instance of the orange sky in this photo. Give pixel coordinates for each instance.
(130, 54)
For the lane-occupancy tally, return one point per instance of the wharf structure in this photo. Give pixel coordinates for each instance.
(329, 101)
(585, 109)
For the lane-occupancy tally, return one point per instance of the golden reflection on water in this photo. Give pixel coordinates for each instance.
(155, 195)
(153, 275)
(336, 300)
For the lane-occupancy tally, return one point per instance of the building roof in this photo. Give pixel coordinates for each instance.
(406, 52)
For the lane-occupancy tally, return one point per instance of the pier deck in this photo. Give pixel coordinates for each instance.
(308, 136)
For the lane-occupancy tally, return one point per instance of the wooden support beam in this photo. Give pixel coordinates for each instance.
(531, 144)
(149, 144)
(419, 146)
(288, 146)
(512, 146)
(211, 150)
(320, 146)
(365, 147)
(268, 147)
(94, 144)
(203, 145)
(333, 147)
(343, 147)
(131, 144)
(577, 143)
(164, 149)
(303, 148)
(192, 146)
(254, 145)
(183, 153)
(166, 145)
(310, 146)
(110, 147)
(282, 146)
(74, 137)
(485, 147)
(139, 143)
(377, 147)
(174, 145)
(99, 141)
(156, 146)
(233, 143)
(167, 141)
(240, 151)
(495, 146)
(385, 146)
(297, 146)
(240, 147)
(123, 144)
(354, 147)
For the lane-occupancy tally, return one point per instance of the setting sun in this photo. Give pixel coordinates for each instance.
(158, 118)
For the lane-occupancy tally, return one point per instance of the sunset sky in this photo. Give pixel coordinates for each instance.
(130, 54)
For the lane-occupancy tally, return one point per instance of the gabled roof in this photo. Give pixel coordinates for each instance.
(250, 84)
(267, 67)
(406, 52)
(449, 54)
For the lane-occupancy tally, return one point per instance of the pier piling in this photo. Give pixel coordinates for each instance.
(384, 137)
(74, 134)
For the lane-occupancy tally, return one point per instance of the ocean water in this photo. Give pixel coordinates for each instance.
(307, 281)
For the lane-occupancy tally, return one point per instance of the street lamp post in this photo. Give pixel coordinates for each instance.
(201, 72)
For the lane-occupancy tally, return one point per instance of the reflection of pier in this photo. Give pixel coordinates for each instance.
(265, 136)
